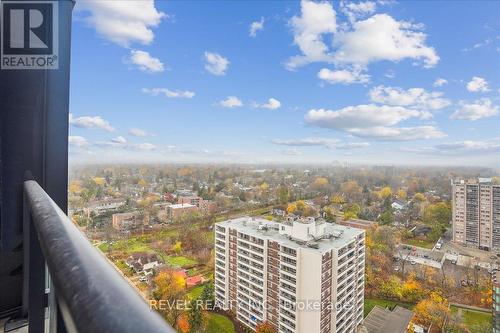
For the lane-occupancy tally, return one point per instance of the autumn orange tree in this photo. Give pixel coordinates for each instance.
(170, 288)
(265, 327)
(432, 310)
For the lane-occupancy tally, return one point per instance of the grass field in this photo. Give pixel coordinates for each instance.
(427, 243)
(473, 318)
(218, 323)
(371, 302)
(180, 261)
(195, 292)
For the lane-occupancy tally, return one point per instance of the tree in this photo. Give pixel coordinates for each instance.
(207, 295)
(432, 310)
(385, 192)
(177, 248)
(197, 319)
(320, 183)
(387, 217)
(419, 197)
(265, 327)
(330, 214)
(170, 287)
(283, 194)
(439, 213)
(401, 194)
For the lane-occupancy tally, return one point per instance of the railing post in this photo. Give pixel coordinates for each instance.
(34, 298)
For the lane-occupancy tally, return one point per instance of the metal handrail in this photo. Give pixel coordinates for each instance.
(91, 294)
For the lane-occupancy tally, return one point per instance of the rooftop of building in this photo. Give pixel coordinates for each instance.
(334, 236)
(381, 320)
(181, 205)
(474, 181)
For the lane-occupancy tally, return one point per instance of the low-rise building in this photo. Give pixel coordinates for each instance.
(104, 206)
(143, 262)
(205, 206)
(358, 223)
(181, 211)
(382, 320)
(126, 221)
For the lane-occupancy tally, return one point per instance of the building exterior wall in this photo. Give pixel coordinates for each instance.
(476, 214)
(295, 289)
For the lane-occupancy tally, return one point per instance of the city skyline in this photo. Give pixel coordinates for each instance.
(285, 82)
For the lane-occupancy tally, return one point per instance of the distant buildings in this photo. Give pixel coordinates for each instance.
(476, 213)
(126, 221)
(358, 223)
(104, 206)
(275, 272)
(143, 262)
(398, 205)
(180, 211)
(205, 206)
(381, 320)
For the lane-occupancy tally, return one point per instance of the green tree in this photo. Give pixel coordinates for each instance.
(387, 217)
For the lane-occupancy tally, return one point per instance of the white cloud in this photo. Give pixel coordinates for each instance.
(145, 62)
(381, 37)
(316, 20)
(314, 141)
(137, 132)
(482, 108)
(477, 84)
(362, 116)
(216, 64)
(440, 82)
(355, 10)
(231, 102)
(256, 26)
(378, 38)
(143, 146)
(122, 22)
(168, 93)
(306, 142)
(90, 122)
(413, 97)
(272, 104)
(343, 76)
(77, 141)
(374, 121)
(466, 147)
(119, 140)
(398, 133)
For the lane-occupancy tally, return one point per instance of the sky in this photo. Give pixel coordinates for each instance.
(370, 82)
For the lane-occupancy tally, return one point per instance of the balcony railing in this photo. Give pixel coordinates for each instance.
(85, 291)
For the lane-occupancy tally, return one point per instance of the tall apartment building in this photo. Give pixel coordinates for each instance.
(476, 213)
(496, 302)
(300, 276)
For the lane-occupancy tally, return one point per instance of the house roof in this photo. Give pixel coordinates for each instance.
(381, 320)
(194, 279)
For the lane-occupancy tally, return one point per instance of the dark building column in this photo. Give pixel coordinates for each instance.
(34, 106)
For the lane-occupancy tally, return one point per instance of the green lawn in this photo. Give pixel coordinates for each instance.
(473, 318)
(427, 243)
(129, 245)
(195, 292)
(371, 302)
(180, 261)
(218, 323)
